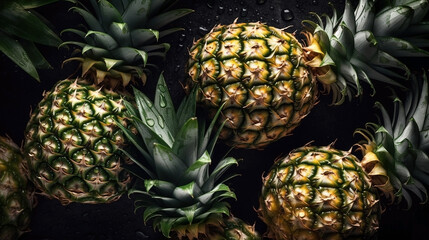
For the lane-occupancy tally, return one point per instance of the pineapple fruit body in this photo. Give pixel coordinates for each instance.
(72, 138)
(319, 193)
(71, 142)
(16, 199)
(259, 73)
(266, 78)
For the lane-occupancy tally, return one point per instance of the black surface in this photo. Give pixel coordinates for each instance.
(325, 124)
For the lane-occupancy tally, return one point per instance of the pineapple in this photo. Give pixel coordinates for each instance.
(325, 193)
(178, 189)
(72, 138)
(16, 198)
(268, 80)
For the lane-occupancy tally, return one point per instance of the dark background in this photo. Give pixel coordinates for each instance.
(325, 124)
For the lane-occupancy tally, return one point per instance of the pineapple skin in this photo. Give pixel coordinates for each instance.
(237, 229)
(259, 72)
(16, 197)
(72, 141)
(319, 193)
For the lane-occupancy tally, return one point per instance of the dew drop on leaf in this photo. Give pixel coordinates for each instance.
(162, 101)
(150, 122)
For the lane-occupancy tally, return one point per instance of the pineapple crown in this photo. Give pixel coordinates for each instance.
(178, 190)
(20, 29)
(364, 44)
(122, 36)
(397, 150)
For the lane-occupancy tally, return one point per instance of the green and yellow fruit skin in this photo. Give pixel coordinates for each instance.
(259, 73)
(237, 229)
(319, 193)
(16, 198)
(268, 79)
(72, 141)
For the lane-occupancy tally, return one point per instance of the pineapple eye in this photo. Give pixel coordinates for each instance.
(83, 157)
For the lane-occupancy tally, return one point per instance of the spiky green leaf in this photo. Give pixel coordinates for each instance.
(18, 55)
(164, 104)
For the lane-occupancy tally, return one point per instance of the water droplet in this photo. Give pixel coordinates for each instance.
(241, 2)
(150, 122)
(162, 102)
(177, 68)
(217, 18)
(315, 2)
(260, 2)
(182, 37)
(287, 14)
(271, 7)
(210, 3)
(230, 11)
(236, 9)
(209, 20)
(220, 10)
(202, 31)
(243, 12)
(141, 235)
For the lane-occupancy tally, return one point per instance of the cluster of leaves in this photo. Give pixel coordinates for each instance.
(21, 28)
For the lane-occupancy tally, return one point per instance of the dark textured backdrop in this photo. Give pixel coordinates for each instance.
(325, 124)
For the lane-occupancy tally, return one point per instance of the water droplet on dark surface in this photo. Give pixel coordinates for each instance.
(287, 14)
(230, 11)
(315, 2)
(260, 2)
(180, 46)
(210, 3)
(271, 7)
(182, 37)
(202, 30)
(220, 10)
(217, 17)
(177, 68)
(141, 235)
(243, 12)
